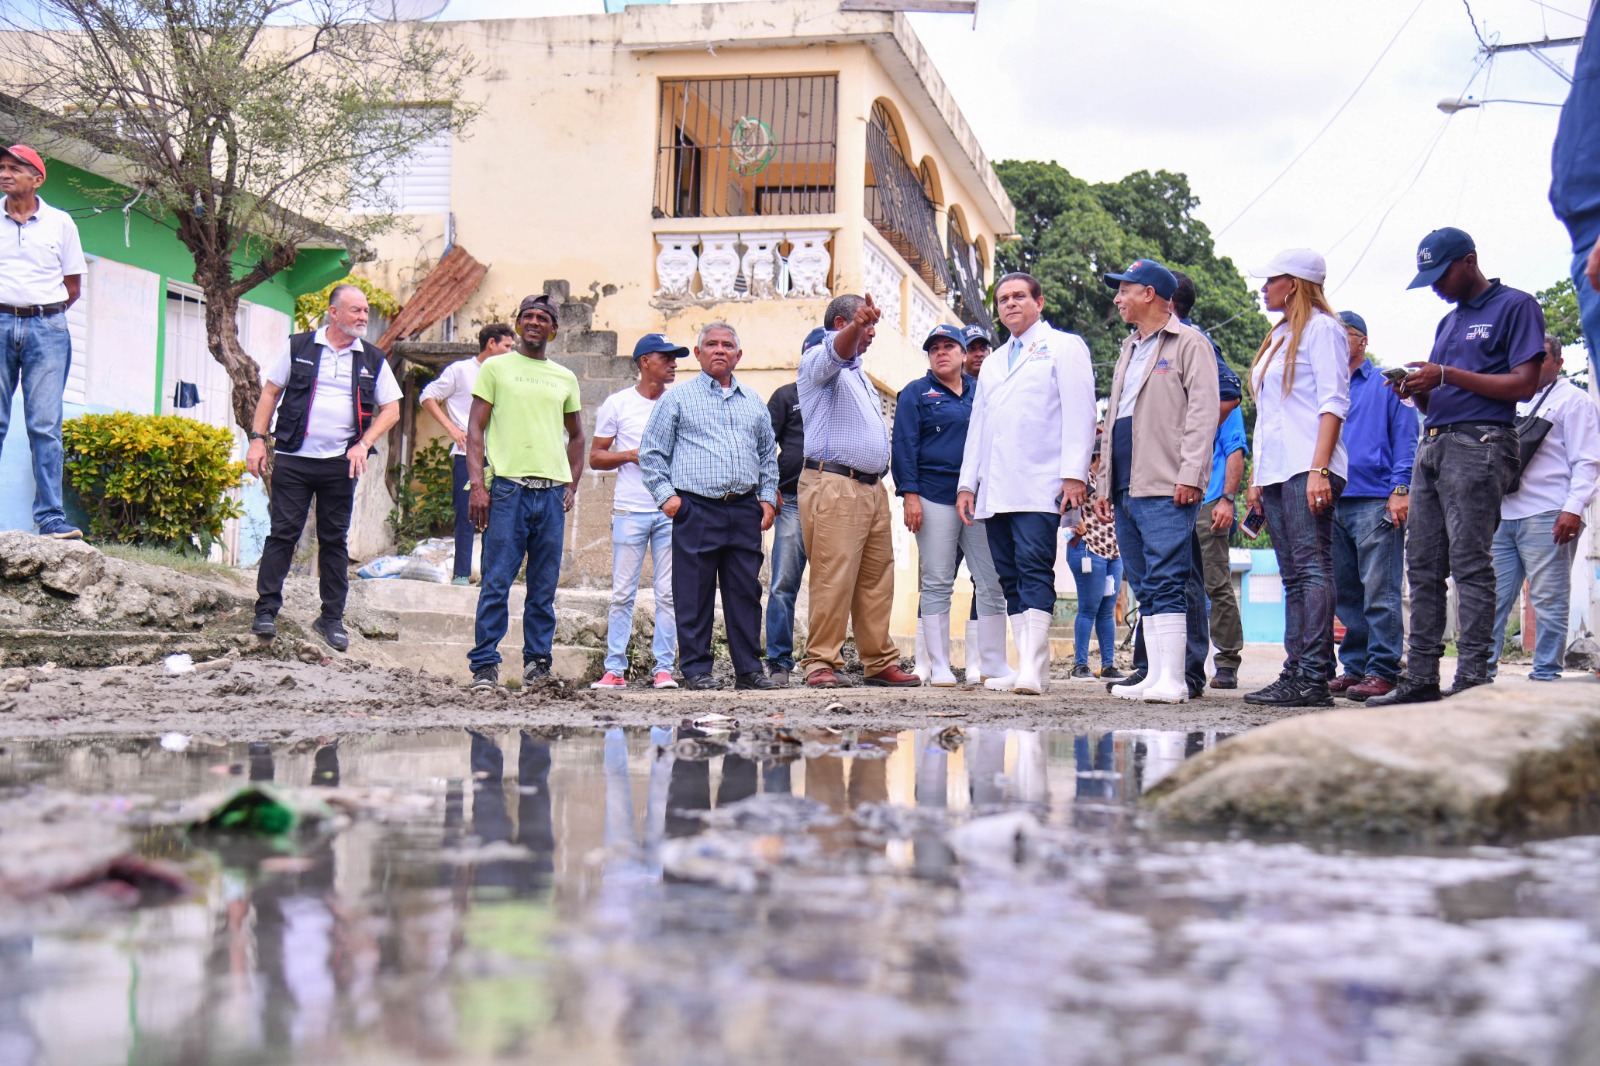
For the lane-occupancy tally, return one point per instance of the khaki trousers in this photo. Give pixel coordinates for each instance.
(850, 560)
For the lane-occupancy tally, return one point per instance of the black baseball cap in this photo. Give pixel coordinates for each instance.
(658, 342)
(813, 339)
(1437, 251)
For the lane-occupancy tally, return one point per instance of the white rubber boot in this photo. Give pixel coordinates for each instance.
(1152, 667)
(936, 635)
(974, 654)
(1171, 636)
(920, 654)
(994, 631)
(1033, 653)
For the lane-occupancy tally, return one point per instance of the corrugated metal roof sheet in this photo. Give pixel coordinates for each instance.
(446, 288)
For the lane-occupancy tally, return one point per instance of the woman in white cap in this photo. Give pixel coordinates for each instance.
(1301, 384)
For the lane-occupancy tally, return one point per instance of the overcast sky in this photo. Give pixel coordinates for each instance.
(1230, 91)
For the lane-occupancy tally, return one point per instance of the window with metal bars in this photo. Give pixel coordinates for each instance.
(899, 205)
(966, 275)
(746, 146)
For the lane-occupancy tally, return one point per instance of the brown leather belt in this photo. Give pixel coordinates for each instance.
(34, 311)
(847, 471)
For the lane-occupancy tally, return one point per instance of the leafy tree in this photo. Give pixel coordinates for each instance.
(1074, 232)
(251, 124)
(1560, 303)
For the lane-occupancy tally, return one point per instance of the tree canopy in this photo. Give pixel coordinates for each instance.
(1560, 303)
(1074, 232)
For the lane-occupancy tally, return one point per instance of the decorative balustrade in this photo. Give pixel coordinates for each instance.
(743, 265)
(882, 280)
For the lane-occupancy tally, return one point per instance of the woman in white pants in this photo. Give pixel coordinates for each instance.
(930, 435)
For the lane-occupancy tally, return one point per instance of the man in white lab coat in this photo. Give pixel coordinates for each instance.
(1026, 463)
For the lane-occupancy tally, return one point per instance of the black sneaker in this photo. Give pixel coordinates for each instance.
(265, 625)
(535, 670)
(754, 679)
(1111, 673)
(1224, 678)
(1131, 679)
(1081, 673)
(1407, 691)
(1315, 693)
(1273, 693)
(331, 630)
(701, 683)
(1197, 689)
(485, 678)
(1461, 684)
(778, 676)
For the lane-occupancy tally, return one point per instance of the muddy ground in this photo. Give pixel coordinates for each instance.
(252, 698)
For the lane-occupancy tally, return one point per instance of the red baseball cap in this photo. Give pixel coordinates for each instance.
(27, 155)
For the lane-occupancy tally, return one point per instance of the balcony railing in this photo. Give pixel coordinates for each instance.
(714, 267)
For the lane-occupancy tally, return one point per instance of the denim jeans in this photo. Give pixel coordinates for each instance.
(1525, 548)
(631, 534)
(1368, 574)
(459, 495)
(1097, 607)
(1588, 307)
(1303, 543)
(1457, 484)
(1159, 552)
(941, 544)
(1022, 545)
(788, 569)
(523, 524)
(36, 353)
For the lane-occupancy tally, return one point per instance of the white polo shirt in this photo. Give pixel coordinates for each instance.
(1563, 473)
(453, 388)
(332, 419)
(36, 255)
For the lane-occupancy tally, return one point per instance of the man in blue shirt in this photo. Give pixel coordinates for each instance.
(710, 460)
(1380, 434)
(1486, 356)
(1214, 526)
(1575, 183)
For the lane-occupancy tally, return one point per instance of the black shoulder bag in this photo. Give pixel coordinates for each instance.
(1531, 431)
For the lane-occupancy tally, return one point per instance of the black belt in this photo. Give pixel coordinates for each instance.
(727, 497)
(1466, 427)
(34, 311)
(847, 471)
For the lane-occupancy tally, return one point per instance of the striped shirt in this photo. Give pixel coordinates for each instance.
(702, 440)
(840, 409)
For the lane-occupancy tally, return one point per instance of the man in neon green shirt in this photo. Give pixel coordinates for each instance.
(524, 433)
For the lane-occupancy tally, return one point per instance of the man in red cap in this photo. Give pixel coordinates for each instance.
(41, 274)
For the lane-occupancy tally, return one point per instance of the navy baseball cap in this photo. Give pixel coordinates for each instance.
(1437, 251)
(1147, 272)
(974, 334)
(1354, 321)
(948, 332)
(813, 339)
(658, 342)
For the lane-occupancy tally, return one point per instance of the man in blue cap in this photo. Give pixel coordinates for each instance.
(1164, 396)
(637, 524)
(979, 344)
(1486, 356)
(1380, 434)
(788, 545)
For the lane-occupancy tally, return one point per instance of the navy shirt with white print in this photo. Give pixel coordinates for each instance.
(1490, 334)
(930, 435)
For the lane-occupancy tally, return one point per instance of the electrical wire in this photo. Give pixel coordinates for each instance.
(1474, 20)
(1258, 197)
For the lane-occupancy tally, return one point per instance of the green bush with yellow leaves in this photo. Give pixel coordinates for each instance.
(152, 479)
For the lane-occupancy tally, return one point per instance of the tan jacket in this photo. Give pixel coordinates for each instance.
(1175, 420)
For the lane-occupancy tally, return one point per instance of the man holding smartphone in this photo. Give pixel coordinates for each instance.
(1486, 356)
(1380, 434)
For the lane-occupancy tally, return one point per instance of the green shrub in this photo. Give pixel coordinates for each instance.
(152, 479)
(423, 496)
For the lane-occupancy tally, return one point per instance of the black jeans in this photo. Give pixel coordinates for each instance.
(1303, 543)
(295, 482)
(1457, 484)
(717, 542)
(459, 495)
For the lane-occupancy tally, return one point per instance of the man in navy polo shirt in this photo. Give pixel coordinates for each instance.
(1486, 356)
(1380, 434)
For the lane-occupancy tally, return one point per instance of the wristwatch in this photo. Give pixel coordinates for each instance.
(1324, 471)
(253, 435)
(1230, 497)
(1400, 490)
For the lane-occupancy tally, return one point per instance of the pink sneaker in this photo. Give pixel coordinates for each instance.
(610, 681)
(664, 680)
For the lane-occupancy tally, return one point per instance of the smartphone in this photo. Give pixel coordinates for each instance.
(1394, 375)
(1254, 522)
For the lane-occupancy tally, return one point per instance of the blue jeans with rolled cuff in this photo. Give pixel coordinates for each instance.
(1368, 575)
(1524, 548)
(1097, 608)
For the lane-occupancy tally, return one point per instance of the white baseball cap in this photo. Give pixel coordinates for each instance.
(1302, 263)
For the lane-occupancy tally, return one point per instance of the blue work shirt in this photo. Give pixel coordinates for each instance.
(930, 433)
(1575, 156)
(842, 421)
(1491, 334)
(1230, 438)
(1228, 387)
(1380, 435)
(702, 440)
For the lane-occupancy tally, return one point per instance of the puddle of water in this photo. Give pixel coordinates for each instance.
(679, 896)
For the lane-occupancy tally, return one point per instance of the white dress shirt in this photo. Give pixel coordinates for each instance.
(453, 388)
(1032, 423)
(1287, 426)
(331, 423)
(1563, 473)
(36, 255)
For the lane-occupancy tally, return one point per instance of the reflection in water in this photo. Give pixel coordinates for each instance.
(525, 911)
